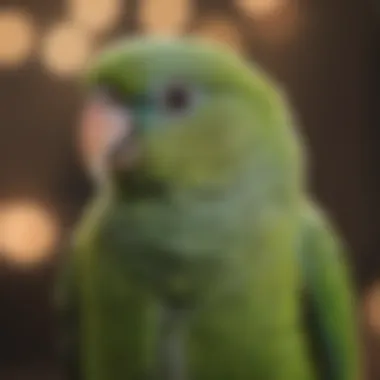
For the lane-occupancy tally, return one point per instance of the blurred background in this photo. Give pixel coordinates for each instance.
(325, 53)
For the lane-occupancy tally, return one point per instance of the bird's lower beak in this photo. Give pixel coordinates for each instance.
(107, 136)
(125, 154)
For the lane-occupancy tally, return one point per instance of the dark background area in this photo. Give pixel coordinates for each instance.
(326, 54)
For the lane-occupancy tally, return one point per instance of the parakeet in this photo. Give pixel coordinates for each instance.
(202, 255)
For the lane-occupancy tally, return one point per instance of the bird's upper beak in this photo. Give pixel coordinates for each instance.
(106, 135)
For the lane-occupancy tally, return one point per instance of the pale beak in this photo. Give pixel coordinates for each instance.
(105, 130)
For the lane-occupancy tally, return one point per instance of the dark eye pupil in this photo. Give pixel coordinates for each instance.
(177, 98)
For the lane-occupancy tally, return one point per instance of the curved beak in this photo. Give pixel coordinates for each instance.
(105, 135)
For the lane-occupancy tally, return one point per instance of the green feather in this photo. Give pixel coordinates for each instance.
(193, 263)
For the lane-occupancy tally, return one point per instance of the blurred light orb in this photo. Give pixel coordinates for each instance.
(372, 309)
(95, 15)
(261, 8)
(28, 232)
(17, 36)
(276, 22)
(66, 49)
(164, 17)
(220, 29)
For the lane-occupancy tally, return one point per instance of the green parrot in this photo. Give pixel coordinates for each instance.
(202, 255)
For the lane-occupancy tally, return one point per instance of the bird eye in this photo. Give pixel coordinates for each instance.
(177, 98)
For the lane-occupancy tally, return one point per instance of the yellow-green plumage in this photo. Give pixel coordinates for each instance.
(212, 228)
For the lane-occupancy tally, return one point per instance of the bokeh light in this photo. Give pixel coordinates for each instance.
(166, 17)
(275, 22)
(95, 15)
(261, 8)
(28, 232)
(372, 308)
(66, 49)
(17, 37)
(220, 29)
